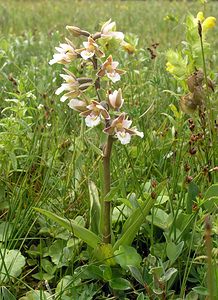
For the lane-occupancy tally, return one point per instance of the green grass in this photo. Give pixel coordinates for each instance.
(47, 158)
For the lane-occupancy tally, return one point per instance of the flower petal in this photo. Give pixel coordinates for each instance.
(114, 76)
(92, 120)
(77, 105)
(86, 54)
(123, 137)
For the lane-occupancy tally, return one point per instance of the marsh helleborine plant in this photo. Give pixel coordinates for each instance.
(97, 111)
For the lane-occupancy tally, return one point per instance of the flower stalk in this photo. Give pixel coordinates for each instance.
(107, 184)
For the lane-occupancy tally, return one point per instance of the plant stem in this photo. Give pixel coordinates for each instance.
(208, 105)
(208, 245)
(107, 184)
(97, 81)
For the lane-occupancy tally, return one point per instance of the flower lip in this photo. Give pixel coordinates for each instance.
(109, 68)
(120, 128)
(94, 113)
(90, 49)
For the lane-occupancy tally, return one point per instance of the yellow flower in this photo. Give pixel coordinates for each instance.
(170, 67)
(208, 23)
(200, 16)
(128, 47)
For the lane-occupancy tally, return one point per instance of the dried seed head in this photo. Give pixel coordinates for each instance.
(205, 170)
(187, 167)
(192, 151)
(192, 127)
(188, 104)
(188, 179)
(198, 95)
(193, 138)
(154, 183)
(153, 195)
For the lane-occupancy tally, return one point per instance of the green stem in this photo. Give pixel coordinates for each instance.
(208, 105)
(97, 81)
(208, 245)
(107, 184)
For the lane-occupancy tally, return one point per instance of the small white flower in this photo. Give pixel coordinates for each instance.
(113, 76)
(92, 120)
(123, 137)
(71, 85)
(94, 113)
(65, 54)
(108, 30)
(90, 49)
(120, 127)
(40, 106)
(109, 68)
(77, 105)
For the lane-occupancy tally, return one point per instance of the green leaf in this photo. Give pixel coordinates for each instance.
(141, 296)
(65, 287)
(127, 256)
(84, 234)
(11, 264)
(107, 273)
(119, 284)
(59, 253)
(160, 219)
(168, 274)
(42, 276)
(211, 197)
(5, 230)
(5, 294)
(36, 295)
(173, 251)
(137, 218)
(192, 296)
(95, 208)
(48, 266)
(135, 272)
(89, 272)
(200, 290)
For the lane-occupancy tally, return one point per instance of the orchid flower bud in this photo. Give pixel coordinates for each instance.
(76, 31)
(115, 99)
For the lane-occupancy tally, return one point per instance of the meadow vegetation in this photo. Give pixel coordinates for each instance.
(164, 186)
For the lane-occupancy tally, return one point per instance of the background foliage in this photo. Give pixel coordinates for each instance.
(47, 161)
